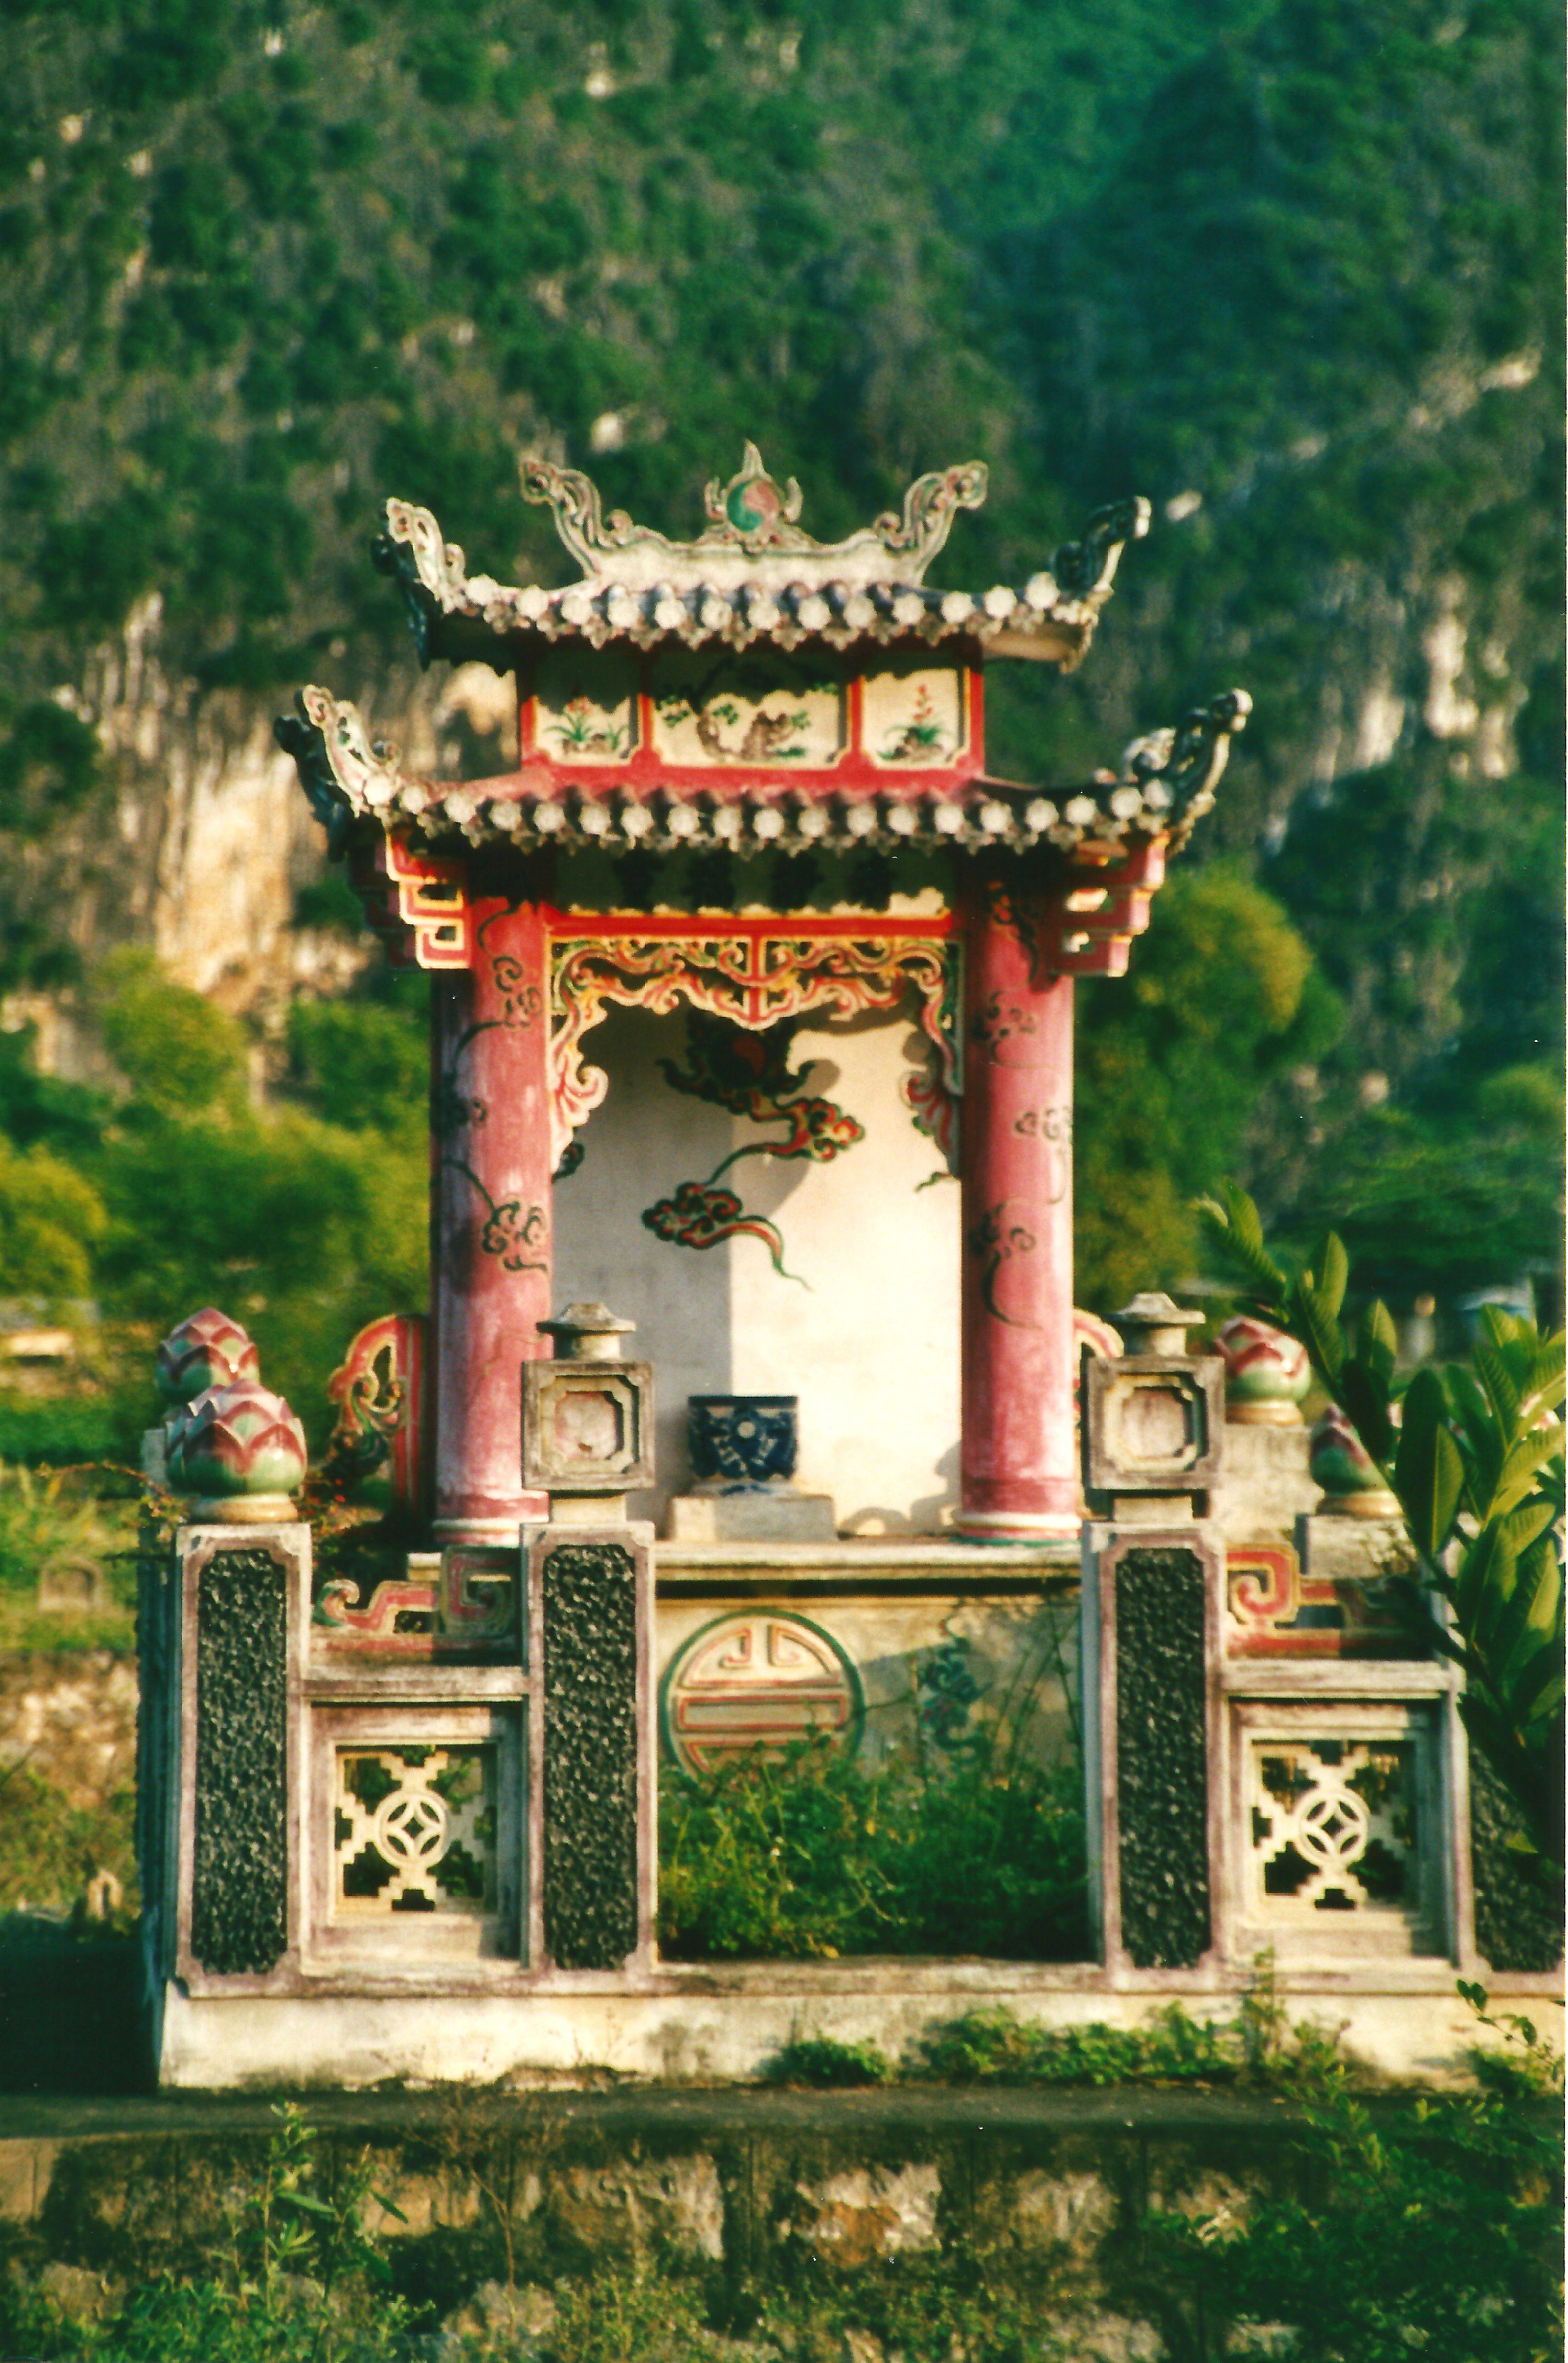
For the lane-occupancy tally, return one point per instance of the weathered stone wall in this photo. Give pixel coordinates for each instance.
(70, 1716)
(1054, 2187)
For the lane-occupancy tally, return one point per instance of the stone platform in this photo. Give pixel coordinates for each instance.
(723, 2022)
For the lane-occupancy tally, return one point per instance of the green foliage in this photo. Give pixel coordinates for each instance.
(1525, 2066)
(1255, 2046)
(51, 1219)
(805, 1856)
(1413, 892)
(65, 1518)
(828, 2065)
(256, 295)
(301, 1229)
(48, 765)
(1173, 1062)
(35, 1108)
(299, 2281)
(47, 1515)
(180, 1053)
(303, 1225)
(1477, 1464)
(53, 1430)
(995, 2047)
(1458, 1200)
(51, 1848)
(362, 1061)
(1437, 2231)
(635, 2317)
(1417, 897)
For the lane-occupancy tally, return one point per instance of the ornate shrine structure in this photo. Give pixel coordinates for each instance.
(751, 781)
(403, 1821)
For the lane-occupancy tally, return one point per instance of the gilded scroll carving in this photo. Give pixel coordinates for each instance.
(754, 976)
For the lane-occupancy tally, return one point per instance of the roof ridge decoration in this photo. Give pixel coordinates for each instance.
(754, 579)
(753, 537)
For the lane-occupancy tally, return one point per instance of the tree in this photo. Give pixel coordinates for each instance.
(1223, 997)
(181, 1193)
(51, 1222)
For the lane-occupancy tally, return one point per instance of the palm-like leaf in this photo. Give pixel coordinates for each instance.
(1429, 1473)
(1484, 1444)
(1231, 1222)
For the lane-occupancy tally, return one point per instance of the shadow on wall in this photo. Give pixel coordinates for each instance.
(927, 1515)
(829, 1277)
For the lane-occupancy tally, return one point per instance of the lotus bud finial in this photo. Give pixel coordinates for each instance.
(1342, 1464)
(205, 1351)
(1266, 1373)
(237, 1440)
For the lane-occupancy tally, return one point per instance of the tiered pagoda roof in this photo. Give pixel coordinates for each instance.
(754, 589)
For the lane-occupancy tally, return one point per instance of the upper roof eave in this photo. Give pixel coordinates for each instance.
(778, 597)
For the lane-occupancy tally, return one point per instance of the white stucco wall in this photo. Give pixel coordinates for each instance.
(867, 1335)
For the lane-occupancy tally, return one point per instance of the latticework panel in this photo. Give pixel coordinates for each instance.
(415, 1830)
(1333, 1826)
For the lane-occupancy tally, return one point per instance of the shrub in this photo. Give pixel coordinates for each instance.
(821, 2061)
(804, 1855)
(50, 1848)
(993, 2047)
(48, 765)
(50, 1220)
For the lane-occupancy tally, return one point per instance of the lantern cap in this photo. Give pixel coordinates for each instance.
(1154, 1322)
(587, 1332)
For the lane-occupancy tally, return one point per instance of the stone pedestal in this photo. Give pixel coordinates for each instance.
(1353, 1550)
(743, 1452)
(1267, 1484)
(763, 1513)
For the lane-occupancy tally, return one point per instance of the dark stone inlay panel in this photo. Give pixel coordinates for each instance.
(1518, 1919)
(240, 1907)
(1161, 1759)
(157, 1725)
(590, 1756)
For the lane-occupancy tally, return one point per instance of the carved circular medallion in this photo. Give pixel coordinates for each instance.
(411, 1828)
(758, 1678)
(1332, 1827)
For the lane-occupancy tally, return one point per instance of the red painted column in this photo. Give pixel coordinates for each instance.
(1019, 1473)
(490, 1219)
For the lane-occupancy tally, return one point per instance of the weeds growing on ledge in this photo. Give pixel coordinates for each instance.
(1428, 2226)
(805, 1856)
(1436, 2232)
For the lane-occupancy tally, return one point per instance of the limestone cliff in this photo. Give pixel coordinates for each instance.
(1287, 266)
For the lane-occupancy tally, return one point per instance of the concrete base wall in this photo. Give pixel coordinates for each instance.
(726, 2024)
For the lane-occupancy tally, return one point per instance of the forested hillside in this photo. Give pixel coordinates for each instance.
(1291, 271)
